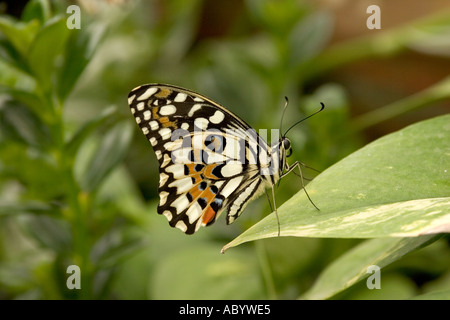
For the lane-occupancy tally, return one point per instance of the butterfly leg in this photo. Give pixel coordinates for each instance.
(268, 199)
(306, 166)
(275, 207)
(291, 168)
(271, 209)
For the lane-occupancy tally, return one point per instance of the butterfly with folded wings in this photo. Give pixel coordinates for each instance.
(210, 160)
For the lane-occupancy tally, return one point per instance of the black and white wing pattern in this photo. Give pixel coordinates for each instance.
(210, 160)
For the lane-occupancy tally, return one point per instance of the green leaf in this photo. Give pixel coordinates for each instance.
(48, 232)
(397, 186)
(115, 246)
(435, 295)
(110, 153)
(83, 132)
(36, 9)
(20, 124)
(46, 47)
(19, 34)
(35, 207)
(276, 16)
(308, 37)
(201, 273)
(80, 49)
(353, 265)
(31, 100)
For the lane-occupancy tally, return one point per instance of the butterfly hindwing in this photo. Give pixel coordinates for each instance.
(208, 157)
(189, 200)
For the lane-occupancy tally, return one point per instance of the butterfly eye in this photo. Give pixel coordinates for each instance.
(287, 147)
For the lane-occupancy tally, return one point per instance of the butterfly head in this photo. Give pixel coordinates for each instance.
(287, 146)
(284, 144)
(284, 151)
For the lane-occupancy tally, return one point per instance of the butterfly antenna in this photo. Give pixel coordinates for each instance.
(322, 107)
(284, 111)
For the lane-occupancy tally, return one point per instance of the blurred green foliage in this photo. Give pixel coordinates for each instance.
(73, 179)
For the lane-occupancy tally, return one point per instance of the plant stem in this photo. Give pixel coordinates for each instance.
(75, 214)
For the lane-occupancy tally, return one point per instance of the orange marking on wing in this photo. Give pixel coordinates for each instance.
(155, 114)
(208, 212)
(207, 193)
(167, 123)
(208, 171)
(208, 215)
(150, 103)
(191, 167)
(163, 93)
(195, 192)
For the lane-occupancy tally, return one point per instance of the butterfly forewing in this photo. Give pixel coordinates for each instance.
(209, 159)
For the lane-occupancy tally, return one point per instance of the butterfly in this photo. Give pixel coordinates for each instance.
(210, 160)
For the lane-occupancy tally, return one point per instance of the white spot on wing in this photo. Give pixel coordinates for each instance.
(163, 197)
(232, 185)
(153, 125)
(182, 185)
(165, 133)
(181, 97)
(140, 106)
(233, 148)
(147, 94)
(168, 215)
(202, 123)
(194, 212)
(194, 108)
(163, 179)
(217, 117)
(181, 225)
(219, 184)
(180, 203)
(232, 168)
(166, 161)
(214, 157)
(167, 110)
(181, 155)
(243, 197)
(177, 170)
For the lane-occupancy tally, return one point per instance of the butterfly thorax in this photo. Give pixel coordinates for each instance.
(280, 151)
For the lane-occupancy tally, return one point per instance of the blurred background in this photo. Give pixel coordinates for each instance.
(78, 181)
